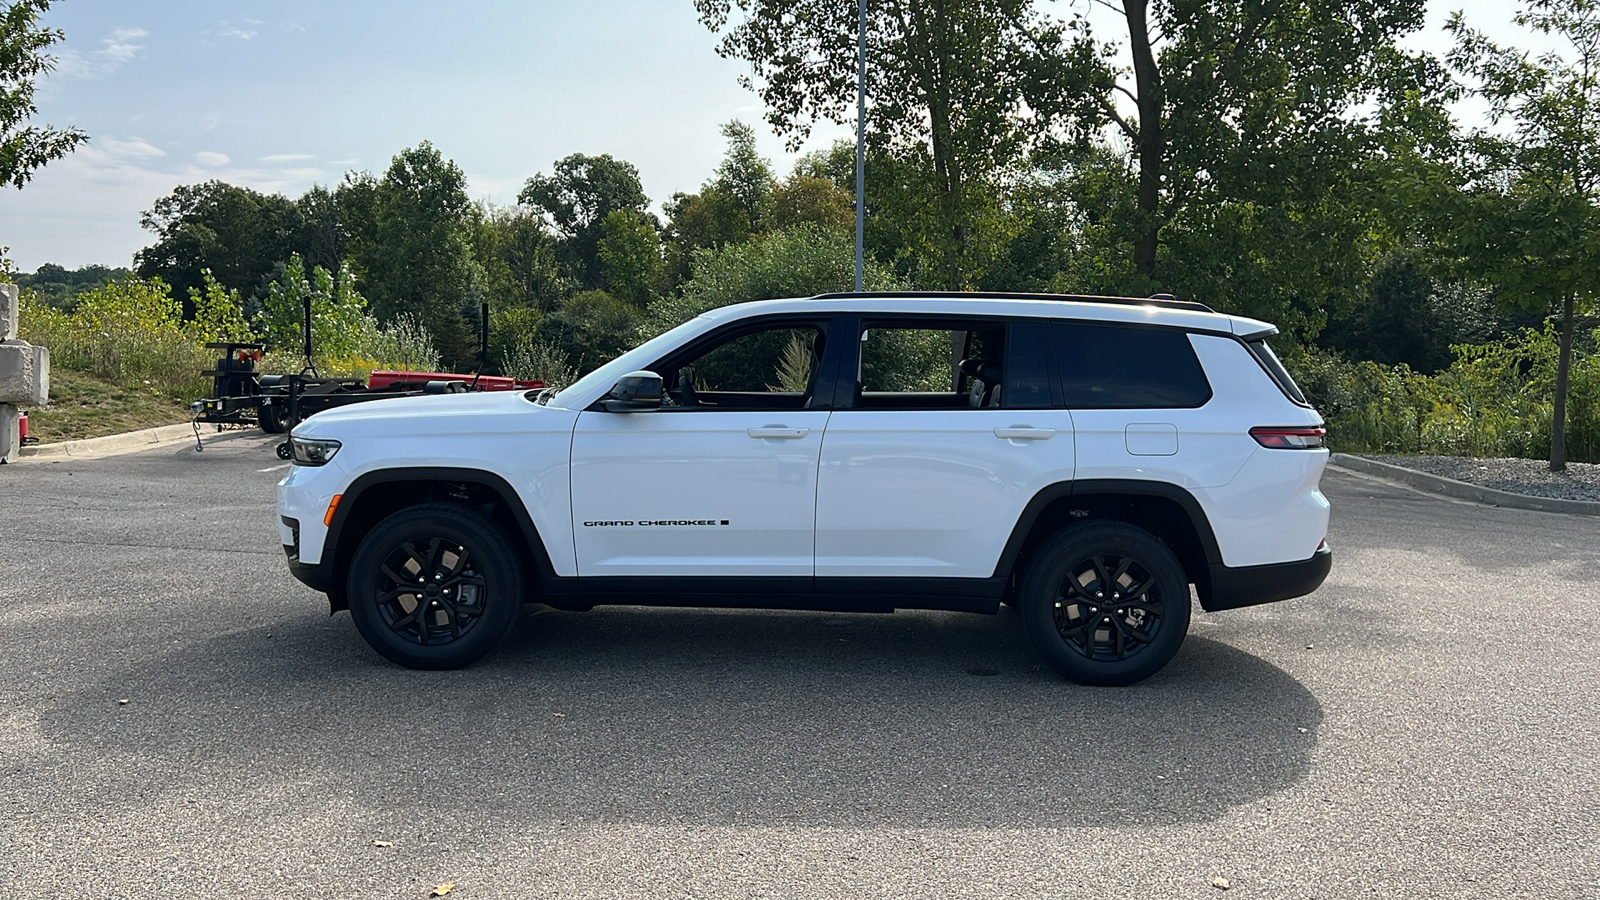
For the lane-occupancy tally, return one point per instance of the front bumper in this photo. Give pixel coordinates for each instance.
(1232, 587)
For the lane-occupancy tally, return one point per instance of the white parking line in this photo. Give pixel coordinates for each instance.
(274, 468)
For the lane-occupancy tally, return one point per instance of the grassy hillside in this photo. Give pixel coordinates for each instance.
(83, 406)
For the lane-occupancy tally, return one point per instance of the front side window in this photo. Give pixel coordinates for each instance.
(769, 368)
(1128, 367)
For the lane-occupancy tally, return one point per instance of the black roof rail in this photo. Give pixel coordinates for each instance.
(1164, 301)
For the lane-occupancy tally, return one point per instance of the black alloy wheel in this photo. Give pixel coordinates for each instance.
(435, 586)
(1105, 603)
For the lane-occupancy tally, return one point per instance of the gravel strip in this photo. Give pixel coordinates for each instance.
(1581, 481)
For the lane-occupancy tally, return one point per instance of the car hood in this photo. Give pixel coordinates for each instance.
(455, 413)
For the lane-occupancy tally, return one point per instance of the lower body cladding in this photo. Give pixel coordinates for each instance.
(1229, 588)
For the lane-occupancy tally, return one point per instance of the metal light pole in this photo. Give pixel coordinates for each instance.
(861, 141)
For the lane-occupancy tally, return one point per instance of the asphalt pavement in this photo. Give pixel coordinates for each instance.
(180, 718)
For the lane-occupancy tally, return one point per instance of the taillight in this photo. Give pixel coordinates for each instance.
(1298, 437)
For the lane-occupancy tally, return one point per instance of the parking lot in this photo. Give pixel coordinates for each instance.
(179, 717)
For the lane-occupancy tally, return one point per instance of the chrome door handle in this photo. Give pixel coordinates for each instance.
(778, 432)
(1024, 433)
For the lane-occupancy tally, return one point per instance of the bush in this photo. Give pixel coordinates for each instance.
(130, 331)
(530, 359)
(1493, 400)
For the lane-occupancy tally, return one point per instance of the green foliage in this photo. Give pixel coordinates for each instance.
(1493, 400)
(336, 312)
(950, 85)
(60, 286)
(218, 314)
(630, 256)
(130, 331)
(25, 148)
(744, 175)
(237, 234)
(797, 262)
(590, 328)
(530, 359)
(410, 242)
(519, 258)
(1528, 218)
(577, 197)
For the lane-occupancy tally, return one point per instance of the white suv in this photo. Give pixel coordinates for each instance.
(1083, 459)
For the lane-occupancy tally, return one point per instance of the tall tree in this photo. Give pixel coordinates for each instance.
(25, 148)
(239, 234)
(1528, 219)
(517, 253)
(410, 241)
(947, 80)
(1247, 128)
(728, 209)
(576, 197)
(744, 174)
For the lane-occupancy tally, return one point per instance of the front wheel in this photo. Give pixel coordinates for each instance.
(435, 586)
(1105, 603)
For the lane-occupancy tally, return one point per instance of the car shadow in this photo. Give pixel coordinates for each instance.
(744, 718)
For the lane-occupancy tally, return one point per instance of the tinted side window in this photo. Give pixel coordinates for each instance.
(1027, 378)
(1123, 367)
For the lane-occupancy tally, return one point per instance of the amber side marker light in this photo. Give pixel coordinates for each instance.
(1296, 437)
(327, 520)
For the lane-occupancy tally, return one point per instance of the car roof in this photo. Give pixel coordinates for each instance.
(1128, 310)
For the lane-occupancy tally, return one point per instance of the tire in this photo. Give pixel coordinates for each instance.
(433, 627)
(1063, 601)
(270, 420)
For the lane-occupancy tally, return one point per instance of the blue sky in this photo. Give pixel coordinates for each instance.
(280, 95)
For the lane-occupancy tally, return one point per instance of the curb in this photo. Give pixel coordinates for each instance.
(109, 445)
(1461, 490)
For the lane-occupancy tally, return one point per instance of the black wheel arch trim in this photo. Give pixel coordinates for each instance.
(507, 495)
(1103, 486)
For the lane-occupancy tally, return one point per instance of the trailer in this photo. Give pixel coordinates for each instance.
(241, 395)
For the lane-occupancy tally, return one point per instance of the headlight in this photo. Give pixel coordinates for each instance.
(309, 452)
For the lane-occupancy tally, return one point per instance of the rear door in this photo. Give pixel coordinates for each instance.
(939, 441)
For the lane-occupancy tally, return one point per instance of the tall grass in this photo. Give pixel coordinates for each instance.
(131, 332)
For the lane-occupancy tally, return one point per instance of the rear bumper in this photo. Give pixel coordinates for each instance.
(1232, 588)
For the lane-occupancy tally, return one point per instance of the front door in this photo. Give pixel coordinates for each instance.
(722, 480)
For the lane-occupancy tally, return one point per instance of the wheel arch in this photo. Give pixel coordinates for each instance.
(1165, 510)
(376, 495)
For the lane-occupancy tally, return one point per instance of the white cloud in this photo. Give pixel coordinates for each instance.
(277, 158)
(226, 30)
(132, 148)
(117, 49)
(211, 159)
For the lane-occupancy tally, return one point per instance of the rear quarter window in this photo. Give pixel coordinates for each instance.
(1128, 367)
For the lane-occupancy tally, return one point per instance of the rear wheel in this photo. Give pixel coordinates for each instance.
(1105, 603)
(270, 420)
(435, 586)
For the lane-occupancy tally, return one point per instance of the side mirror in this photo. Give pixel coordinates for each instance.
(633, 392)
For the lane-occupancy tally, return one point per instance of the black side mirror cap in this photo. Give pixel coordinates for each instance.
(634, 392)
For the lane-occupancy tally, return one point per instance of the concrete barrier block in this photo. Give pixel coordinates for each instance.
(24, 374)
(8, 431)
(41, 377)
(8, 311)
